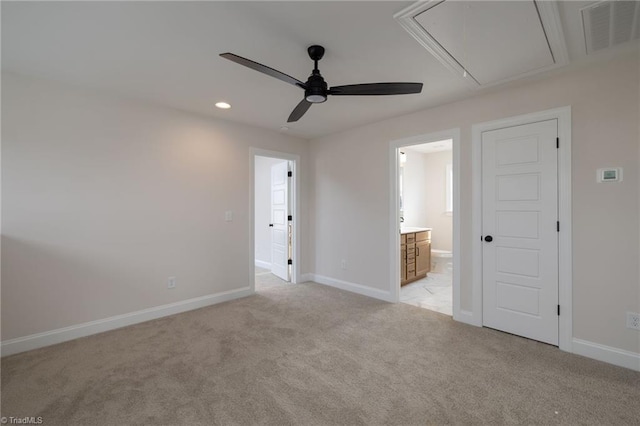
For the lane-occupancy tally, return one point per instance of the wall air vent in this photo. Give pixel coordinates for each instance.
(487, 43)
(609, 23)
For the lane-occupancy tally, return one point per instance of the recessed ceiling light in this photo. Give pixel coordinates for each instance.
(223, 105)
(284, 128)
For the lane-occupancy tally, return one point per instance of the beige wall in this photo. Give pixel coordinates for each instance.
(104, 199)
(350, 191)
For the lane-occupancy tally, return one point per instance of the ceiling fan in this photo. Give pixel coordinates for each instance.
(316, 89)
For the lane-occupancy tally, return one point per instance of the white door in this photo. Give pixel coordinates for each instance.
(279, 223)
(520, 230)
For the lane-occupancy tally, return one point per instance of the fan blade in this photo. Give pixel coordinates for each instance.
(299, 111)
(263, 69)
(377, 89)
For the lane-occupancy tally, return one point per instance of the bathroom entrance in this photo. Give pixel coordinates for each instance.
(425, 222)
(425, 186)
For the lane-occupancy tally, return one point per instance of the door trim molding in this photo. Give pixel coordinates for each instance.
(295, 194)
(565, 278)
(394, 214)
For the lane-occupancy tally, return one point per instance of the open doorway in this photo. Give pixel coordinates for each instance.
(274, 220)
(272, 227)
(425, 224)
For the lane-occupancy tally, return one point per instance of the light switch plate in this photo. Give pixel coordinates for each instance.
(228, 216)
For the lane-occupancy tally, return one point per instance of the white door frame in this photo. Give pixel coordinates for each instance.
(394, 211)
(563, 115)
(295, 207)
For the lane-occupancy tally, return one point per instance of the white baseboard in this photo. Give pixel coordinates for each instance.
(466, 317)
(352, 287)
(263, 264)
(47, 338)
(306, 277)
(608, 354)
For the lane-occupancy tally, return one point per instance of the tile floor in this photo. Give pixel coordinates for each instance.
(433, 292)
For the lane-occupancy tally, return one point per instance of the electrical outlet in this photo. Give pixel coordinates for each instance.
(171, 282)
(633, 320)
(343, 264)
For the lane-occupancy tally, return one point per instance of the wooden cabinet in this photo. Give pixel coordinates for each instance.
(403, 263)
(423, 257)
(415, 256)
(411, 261)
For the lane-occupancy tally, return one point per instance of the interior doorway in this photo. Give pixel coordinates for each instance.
(426, 226)
(424, 221)
(274, 219)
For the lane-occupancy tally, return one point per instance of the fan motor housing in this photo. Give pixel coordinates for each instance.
(316, 91)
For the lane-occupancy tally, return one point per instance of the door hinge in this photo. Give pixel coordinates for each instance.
(290, 262)
(289, 218)
(558, 226)
(558, 310)
(557, 142)
(289, 173)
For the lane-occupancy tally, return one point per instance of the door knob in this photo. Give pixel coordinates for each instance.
(271, 225)
(488, 238)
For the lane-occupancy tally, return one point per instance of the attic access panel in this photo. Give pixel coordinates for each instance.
(488, 42)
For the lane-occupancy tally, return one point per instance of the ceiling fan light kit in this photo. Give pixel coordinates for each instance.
(316, 89)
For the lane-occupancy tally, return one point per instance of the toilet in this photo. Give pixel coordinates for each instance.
(441, 261)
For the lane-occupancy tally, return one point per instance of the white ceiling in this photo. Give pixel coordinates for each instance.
(167, 52)
(431, 147)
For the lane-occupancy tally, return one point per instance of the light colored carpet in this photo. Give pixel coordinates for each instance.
(266, 280)
(308, 354)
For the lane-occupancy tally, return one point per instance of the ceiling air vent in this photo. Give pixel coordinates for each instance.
(609, 23)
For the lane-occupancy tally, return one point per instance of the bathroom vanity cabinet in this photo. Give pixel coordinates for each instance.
(415, 254)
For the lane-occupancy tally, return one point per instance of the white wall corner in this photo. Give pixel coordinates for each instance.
(47, 338)
(611, 355)
(306, 277)
(467, 317)
(263, 264)
(353, 287)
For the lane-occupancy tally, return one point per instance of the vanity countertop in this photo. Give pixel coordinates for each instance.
(410, 229)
